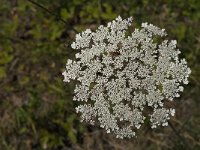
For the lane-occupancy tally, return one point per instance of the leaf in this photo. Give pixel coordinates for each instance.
(2, 72)
(5, 58)
(72, 137)
(24, 80)
(64, 14)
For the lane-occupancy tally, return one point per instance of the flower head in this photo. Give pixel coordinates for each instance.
(119, 76)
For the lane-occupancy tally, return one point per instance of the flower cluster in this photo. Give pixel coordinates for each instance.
(124, 78)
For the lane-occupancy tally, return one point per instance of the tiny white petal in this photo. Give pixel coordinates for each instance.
(119, 75)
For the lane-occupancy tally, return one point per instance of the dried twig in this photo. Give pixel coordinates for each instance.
(51, 13)
(182, 140)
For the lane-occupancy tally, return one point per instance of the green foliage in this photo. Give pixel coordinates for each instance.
(37, 111)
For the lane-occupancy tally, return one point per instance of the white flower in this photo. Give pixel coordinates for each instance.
(120, 76)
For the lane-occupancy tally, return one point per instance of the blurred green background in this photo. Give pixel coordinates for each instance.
(36, 107)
